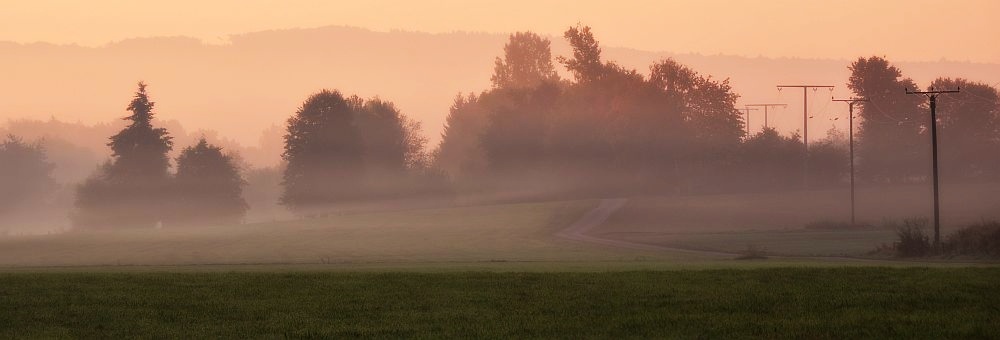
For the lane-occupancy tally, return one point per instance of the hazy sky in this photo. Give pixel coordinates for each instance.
(913, 30)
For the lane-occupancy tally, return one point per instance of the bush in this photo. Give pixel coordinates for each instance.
(913, 241)
(981, 239)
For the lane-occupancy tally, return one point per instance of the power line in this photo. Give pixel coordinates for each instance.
(850, 128)
(766, 106)
(805, 124)
(747, 120)
(932, 95)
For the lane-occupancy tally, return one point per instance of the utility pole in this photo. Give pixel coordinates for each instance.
(805, 125)
(850, 128)
(747, 121)
(765, 109)
(932, 95)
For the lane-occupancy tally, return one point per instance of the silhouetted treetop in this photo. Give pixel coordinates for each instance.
(140, 150)
(586, 62)
(208, 186)
(527, 62)
(890, 146)
(323, 149)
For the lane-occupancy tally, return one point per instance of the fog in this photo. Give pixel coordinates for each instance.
(343, 145)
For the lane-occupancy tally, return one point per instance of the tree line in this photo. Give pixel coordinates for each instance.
(672, 129)
(607, 130)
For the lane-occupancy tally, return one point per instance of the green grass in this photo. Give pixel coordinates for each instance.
(769, 303)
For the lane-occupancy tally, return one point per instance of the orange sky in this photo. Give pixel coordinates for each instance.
(914, 30)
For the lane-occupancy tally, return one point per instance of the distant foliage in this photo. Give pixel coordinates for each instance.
(323, 149)
(340, 149)
(829, 162)
(130, 188)
(586, 61)
(460, 153)
(771, 161)
(611, 129)
(969, 129)
(208, 187)
(892, 143)
(25, 173)
(527, 62)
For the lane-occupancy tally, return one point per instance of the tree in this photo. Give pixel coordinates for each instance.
(969, 134)
(708, 106)
(208, 187)
(459, 153)
(393, 142)
(586, 62)
(829, 159)
(527, 62)
(128, 190)
(708, 127)
(891, 144)
(323, 149)
(770, 161)
(383, 132)
(514, 139)
(25, 173)
(140, 150)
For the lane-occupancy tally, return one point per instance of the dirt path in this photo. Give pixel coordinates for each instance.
(595, 217)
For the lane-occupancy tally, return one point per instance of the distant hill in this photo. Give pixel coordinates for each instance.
(259, 79)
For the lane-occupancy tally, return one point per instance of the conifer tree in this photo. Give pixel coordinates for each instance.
(129, 189)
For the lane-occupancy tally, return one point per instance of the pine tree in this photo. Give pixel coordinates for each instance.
(140, 151)
(129, 189)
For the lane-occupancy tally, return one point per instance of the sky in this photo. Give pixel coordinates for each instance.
(262, 78)
(915, 30)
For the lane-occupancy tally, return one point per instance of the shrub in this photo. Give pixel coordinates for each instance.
(981, 239)
(913, 241)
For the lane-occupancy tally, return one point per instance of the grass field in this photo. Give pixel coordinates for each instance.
(523, 233)
(769, 303)
(776, 222)
(494, 233)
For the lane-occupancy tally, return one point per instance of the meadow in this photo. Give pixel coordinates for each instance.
(505, 235)
(499, 271)
(795, 223)
(520, 233)
(871, 302)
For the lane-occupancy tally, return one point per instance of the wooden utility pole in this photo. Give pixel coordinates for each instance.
(850, 128)
(765, 109)
(747, 120)
(805, 125)
(932, 95)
